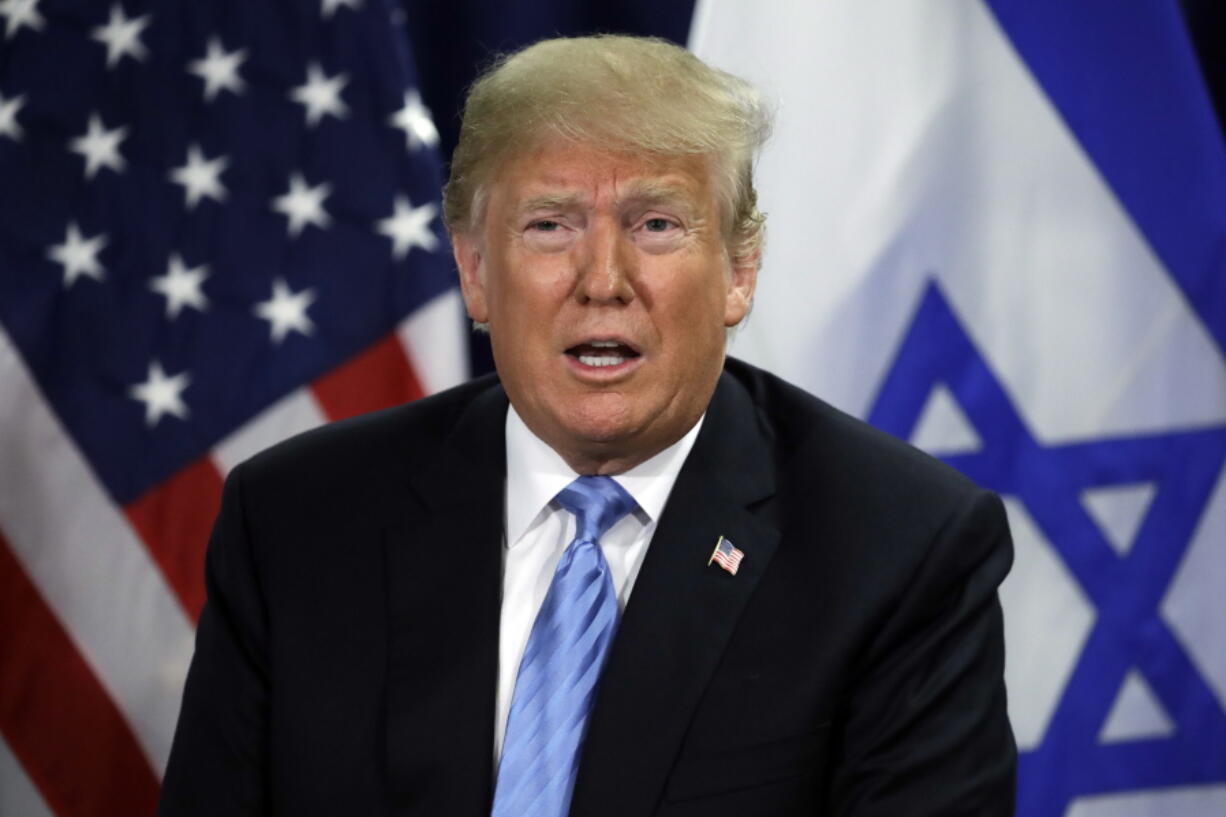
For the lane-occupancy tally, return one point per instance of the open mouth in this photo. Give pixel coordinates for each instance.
(602, 353)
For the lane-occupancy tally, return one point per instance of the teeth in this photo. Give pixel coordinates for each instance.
(601, 360)
(604, 344)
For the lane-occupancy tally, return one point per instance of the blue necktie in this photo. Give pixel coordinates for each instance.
(562, 662)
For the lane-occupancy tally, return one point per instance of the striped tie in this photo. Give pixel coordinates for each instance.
(561, 665)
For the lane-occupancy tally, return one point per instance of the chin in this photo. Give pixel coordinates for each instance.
(600, 433)
(600, 423)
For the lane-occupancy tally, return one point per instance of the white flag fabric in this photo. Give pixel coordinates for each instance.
(998, 230)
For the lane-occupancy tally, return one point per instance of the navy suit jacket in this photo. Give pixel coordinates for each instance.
(347, 657)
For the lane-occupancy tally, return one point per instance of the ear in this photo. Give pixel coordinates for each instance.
(742, 280)
(471, 264)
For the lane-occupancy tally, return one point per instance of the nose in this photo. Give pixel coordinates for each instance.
(607, 265)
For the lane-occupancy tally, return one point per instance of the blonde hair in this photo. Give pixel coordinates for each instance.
(629, 94)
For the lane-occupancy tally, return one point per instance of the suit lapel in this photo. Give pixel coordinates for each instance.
(681, 613)
(444, 568)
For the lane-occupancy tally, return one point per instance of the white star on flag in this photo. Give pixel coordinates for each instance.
(321, 95)
(414, 119)
(286, 311)
(303, 205)
(409, 226)
(100, 147)
(329, 7)
(200, 177)
(18, 13)
(8, 116)
(161, 394)
(219, 70)
(79, 255)
(181, 287)
(121, 35)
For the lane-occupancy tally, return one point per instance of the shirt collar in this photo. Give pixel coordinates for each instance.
(535, 474)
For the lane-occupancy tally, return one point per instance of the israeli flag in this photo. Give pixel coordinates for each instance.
(998, 230)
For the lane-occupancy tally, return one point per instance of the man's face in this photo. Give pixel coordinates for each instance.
(607, 286)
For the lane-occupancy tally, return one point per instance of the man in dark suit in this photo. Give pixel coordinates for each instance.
(782, 611)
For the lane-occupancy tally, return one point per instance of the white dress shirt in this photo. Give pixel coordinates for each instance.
(537, 530)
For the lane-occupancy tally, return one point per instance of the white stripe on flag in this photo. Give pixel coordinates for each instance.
(433, 339)
(88, 563)
(435, 328)
(18, 795)
(296, 412)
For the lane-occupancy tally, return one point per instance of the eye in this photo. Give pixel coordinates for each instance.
(659, 233)
(661, 224)
(546, 234)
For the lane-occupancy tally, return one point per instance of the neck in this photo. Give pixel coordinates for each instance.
(597, 464)
(616, 457)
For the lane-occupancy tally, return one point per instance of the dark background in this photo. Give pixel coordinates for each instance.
(478, 30)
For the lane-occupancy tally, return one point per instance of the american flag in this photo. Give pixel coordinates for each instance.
(726, 556)
(219, 225)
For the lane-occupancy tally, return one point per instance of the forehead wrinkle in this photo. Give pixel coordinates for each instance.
(660, 192)
(551, 201)
(636, 183)
(654, 190)
(646, 192)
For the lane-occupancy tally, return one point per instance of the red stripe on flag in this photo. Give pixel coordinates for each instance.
(174, 520)
(62, 726)
(380, 377)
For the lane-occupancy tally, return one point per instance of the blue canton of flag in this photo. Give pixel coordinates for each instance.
(219, 224)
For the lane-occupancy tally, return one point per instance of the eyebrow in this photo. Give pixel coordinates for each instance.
(680, 199)
(551, 201)
(648, 192)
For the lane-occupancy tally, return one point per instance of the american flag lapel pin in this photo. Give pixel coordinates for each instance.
(726, 555)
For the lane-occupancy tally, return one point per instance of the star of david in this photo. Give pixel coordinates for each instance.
(1126, 590)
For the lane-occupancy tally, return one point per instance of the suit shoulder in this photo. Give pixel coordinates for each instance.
(834, 446)
(846, 483)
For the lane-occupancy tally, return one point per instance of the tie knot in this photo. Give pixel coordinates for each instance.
(597, 503)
